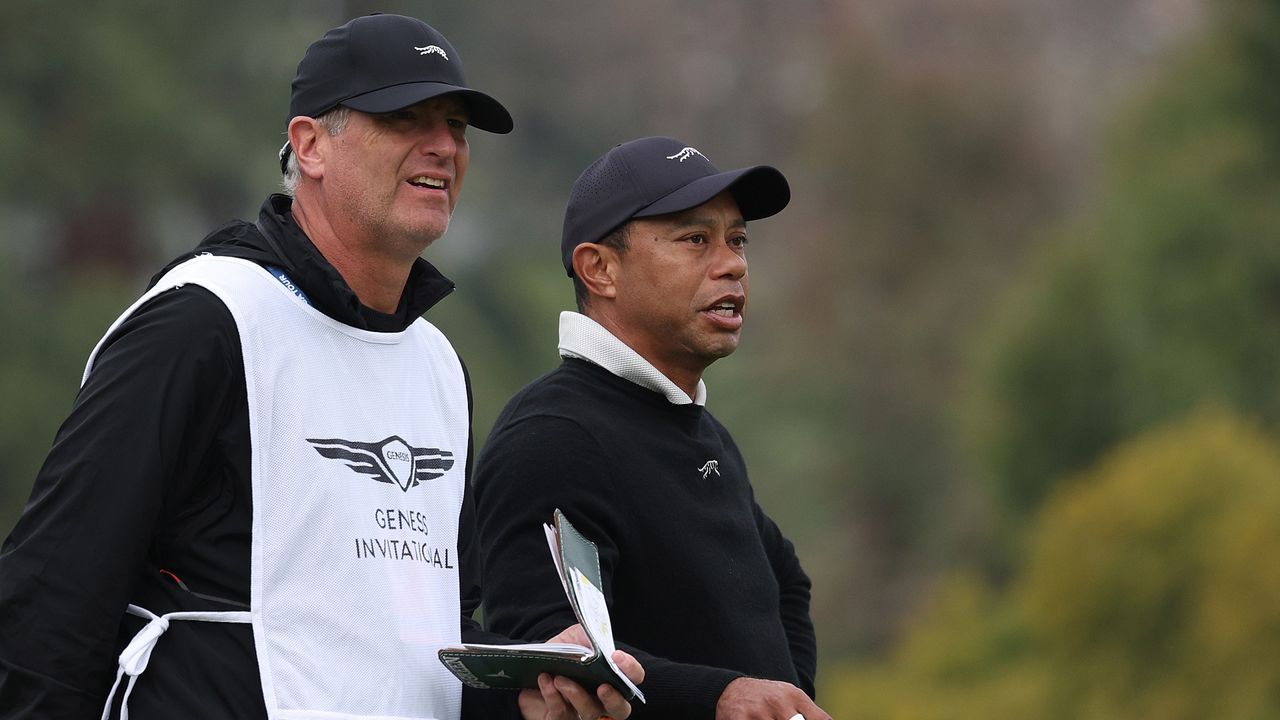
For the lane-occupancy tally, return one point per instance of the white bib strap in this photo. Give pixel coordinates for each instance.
(136, 655)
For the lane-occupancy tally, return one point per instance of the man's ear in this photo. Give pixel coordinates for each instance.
(597, 267)
(306, 137)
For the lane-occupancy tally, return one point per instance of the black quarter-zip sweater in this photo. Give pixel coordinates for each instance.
(702, 586)
(146, 498)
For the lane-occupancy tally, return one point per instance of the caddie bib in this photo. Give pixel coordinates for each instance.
(359, 448)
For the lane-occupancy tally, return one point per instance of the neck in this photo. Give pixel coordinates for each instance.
(377, 279)
(688, 382)
(684, 377)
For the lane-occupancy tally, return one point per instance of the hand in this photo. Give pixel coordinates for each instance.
(753, 699)
(563, 699)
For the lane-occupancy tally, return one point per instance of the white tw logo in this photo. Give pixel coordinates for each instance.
(710, 466)
(685, 154)
(431, 49)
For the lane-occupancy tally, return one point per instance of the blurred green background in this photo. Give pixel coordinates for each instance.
(1011, 377)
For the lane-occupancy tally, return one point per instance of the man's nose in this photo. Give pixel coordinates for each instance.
(437, 139)
(729, 262)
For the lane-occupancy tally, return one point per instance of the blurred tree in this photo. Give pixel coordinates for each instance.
(1146, 593)
(1148, 588)
(964, 657)
(1168, 296)
(930, 186)
(113, 113)
(40, 372)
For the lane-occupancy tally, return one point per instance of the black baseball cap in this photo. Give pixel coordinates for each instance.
(656, 176)
(383, 62)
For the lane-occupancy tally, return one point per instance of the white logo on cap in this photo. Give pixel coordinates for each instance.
(431, 49)
(687, 153)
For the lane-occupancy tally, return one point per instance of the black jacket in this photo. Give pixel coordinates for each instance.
(145, 498)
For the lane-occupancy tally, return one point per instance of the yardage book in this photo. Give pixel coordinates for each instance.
(518, 666)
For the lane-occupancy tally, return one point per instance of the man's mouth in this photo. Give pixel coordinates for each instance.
(427, 182)
(725, 309)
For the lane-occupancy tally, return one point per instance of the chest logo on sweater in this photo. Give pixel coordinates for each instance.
(708, 467)
(390, 461)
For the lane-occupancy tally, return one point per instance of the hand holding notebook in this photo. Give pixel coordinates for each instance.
(518, 666)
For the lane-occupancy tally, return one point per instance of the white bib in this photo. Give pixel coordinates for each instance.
(359, 450)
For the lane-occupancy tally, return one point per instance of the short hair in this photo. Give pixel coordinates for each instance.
(333, 122)
(616, 240)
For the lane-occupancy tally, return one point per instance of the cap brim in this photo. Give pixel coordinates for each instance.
(760, 191)
(484, 112)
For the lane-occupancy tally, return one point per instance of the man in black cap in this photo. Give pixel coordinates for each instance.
(261, 492)
(701, 585)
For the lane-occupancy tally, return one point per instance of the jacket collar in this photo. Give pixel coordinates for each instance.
(305, 264)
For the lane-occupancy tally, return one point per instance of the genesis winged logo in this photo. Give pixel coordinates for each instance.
(391, 461)
(428, 50)
(687, 153)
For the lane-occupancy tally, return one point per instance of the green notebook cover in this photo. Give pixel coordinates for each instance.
(518, 666)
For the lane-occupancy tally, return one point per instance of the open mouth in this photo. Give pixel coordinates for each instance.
(728, 307)
(427, 182)
(724, 309)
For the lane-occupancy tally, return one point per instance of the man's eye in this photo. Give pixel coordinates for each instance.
(738, 242)
(457, 123)
(697, 239)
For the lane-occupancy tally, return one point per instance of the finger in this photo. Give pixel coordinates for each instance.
(615, 706)
(551, 697)
(630, 666)
(810, 711)
(573, 634)
(531, 704)
(583, 702)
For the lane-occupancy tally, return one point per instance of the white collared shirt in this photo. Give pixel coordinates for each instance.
(585, 339)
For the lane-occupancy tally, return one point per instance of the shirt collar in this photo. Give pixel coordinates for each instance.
(585, 339)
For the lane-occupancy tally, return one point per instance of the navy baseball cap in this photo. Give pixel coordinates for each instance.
(382, 62)
(656, 176)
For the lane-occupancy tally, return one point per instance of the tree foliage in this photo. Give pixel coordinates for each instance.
(1146, 593)
(1166, 296)
(39, 375)
(1147, 585)
(128, 100)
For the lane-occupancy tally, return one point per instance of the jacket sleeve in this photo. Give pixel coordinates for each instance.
(126, 453)
(794, 593)
(526, 471)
